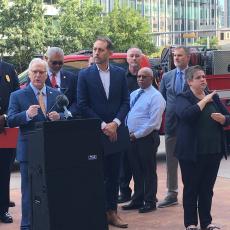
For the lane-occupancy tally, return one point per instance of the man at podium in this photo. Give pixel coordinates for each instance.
(32, 104)
(8, 84)
(103, 94)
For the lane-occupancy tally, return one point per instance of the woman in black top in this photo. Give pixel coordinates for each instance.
(200, 147)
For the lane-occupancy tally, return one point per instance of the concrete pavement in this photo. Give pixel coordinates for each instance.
(162, 219)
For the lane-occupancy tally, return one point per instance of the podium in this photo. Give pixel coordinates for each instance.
(66, 176)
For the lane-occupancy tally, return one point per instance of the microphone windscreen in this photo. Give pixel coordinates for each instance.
(62, 101)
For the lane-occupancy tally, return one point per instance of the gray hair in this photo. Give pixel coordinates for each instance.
(147, 70)
(53, 50)
(186, 49)
(189, 73)
(38, 60)
(138, 49)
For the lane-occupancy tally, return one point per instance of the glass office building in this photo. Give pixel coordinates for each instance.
(176, 21)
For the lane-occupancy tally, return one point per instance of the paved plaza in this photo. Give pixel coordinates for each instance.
(162, 219)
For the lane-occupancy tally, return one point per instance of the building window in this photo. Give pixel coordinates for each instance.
(221, 36)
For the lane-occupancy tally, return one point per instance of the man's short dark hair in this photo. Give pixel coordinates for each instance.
(107, 40)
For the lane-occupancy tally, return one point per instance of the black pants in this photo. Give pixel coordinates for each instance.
(6, 158)
(199, 178)
(111, 179)
(125, 175)
(142, 157)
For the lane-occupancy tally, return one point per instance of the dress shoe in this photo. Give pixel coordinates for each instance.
(11, 204)
(123, 198)
(147, 207)
(6, 218)
(131, 206)
(115, 220)
(168, 201)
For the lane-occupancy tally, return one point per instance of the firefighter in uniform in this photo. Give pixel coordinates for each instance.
(8, 83)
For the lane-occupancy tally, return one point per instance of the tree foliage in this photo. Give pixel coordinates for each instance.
(79, 23)
(126, 27)
(213, 42)
(25, 31)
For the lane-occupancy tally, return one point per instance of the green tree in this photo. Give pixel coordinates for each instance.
(213, 42)
(126, 28)
(79, 23)
(24, 34)
(3, 25)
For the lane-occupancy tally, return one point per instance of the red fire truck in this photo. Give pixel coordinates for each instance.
(216, 64)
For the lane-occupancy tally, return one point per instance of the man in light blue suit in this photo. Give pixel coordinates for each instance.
(172, 84)
(26, 107)
(103, 94)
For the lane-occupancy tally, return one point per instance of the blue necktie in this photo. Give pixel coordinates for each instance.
(136, 98)
(179, 82)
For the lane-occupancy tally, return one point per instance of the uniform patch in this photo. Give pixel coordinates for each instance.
(8, 78)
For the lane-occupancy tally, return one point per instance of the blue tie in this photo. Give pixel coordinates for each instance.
(179, 82)
(136, 98)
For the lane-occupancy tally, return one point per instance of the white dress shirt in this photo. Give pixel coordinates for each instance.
(105, 79)
(58, 78)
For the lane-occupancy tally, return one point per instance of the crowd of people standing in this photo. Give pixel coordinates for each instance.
(128, 103)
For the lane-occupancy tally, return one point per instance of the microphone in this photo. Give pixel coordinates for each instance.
(62, 103)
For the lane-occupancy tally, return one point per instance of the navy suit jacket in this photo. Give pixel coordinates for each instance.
(188, 113)
(68, 87)
(20, 101)
(92, 99)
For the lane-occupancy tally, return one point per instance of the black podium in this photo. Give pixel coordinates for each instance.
(66, 176)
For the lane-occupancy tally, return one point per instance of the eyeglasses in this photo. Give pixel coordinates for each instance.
(35, 72)
(142, 76)
(57, 62)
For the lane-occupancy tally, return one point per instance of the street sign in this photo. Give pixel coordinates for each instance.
(189, 35)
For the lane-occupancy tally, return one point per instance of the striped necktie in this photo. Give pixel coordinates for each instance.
(41, 102)
(53, 80)
(141, 91)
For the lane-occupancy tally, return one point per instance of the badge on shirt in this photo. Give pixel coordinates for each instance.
(8, 78)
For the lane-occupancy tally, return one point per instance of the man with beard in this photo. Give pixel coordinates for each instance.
(173, 83)
(103, 94)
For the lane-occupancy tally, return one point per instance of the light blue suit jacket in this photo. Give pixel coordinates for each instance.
(167, 89)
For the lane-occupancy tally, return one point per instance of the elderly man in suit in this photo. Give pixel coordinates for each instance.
(103, 94)
(8, 83)
(27, 106)
(173, 83)
(63, 80)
